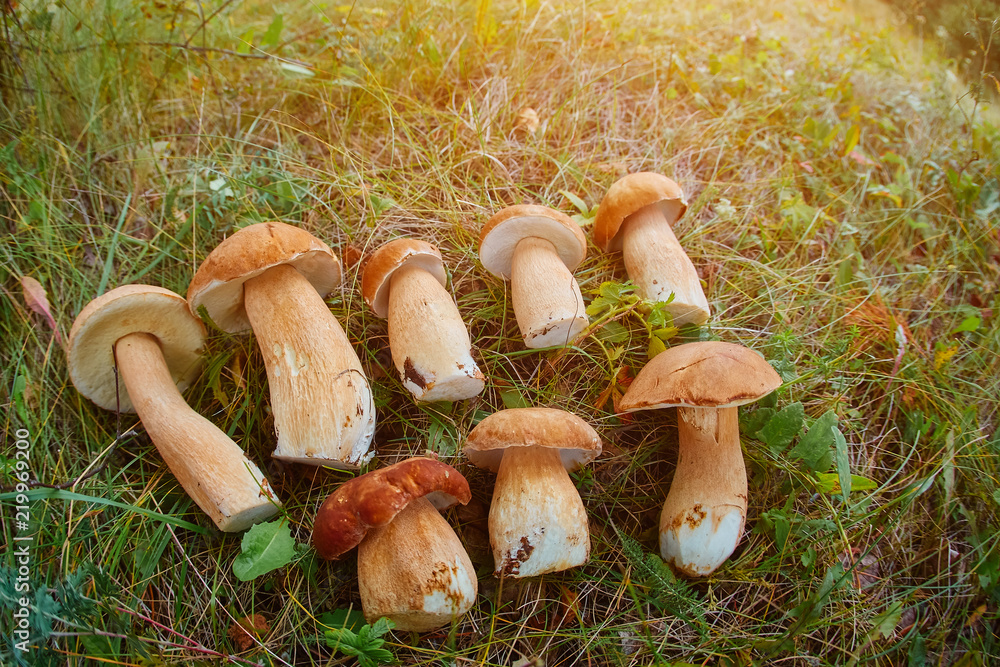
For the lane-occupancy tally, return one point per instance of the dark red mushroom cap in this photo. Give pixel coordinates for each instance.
(374, 499)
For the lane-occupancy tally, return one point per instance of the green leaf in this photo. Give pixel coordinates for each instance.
(655, 347)
(851, 140)
(843, 464)
(968, 324)
(246, 41)
(917, 655)
(599, 306)
(615, 292)
(266, 547)
(580, 205)
(365, 645)
(273, 33)
(20, 386)
(780, 429)
(829, 482)
(886, 622)
(816, 446)
(512, 398)
(752, 422)
(612, 332)
(297, 70)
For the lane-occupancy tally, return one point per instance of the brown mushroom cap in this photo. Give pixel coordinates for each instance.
(502, 232)
(373, 499)
(577, 442)
(708, 374)
(126, 310)
(628, 195)
(218, 283)
(390, 257)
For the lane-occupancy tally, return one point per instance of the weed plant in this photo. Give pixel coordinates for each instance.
(844, 195)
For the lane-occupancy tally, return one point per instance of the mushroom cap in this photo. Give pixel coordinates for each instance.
(390, 257)
(502, 232)
(628, 195)
(709, 374)
(375, 498)
(576, 440)
(218, 283)
(122, 311)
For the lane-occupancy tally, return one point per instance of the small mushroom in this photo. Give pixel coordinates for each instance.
(411, 566)
(635, 217)
(272, 277)
(405, 280)
(537, 521)
(703, 516)
(537, 249)
(149, 334)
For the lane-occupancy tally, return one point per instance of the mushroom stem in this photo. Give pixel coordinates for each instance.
(208, 465)
(703, 516)
(546, 297)
(415, 571)
(322, 404)
(537, 520)
(429, 342)
(659, 266)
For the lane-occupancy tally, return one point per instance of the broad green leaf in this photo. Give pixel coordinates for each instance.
(580, 205)
(886, 622)
(614, 292)
(843, 463)
(968, 324)
(612, 332)
(352, 619)
(917, 655)
(815, 448)
(512, 398)
(266, 547)
(599, 306)
(851, 140)
(751, 423)
(829, 482)
(246, 41)
(655, 347)
(273, 33)
(780, 429)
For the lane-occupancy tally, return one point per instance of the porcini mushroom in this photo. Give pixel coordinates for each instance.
(412, 568)
(537, 521)
(150, 336)
(272, 277)
(404, 280)
(703, 516)
(538, 249)
(635, 217)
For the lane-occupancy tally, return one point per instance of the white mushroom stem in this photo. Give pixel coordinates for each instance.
(415, 571)
(209, 466)
(546, 297)
(658, 265)
(537, 520)
(703, 517)
(429, 342)
(322, 404)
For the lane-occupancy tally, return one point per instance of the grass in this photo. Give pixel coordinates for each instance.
(844, 193)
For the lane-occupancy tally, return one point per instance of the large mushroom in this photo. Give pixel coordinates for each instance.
(412, 568)
(404, 280)
(703, 516)
(635, 217)
(537, 249)
(537, 521)
(272, 277)
(149, 335)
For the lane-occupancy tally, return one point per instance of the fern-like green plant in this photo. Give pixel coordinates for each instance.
(366, 644)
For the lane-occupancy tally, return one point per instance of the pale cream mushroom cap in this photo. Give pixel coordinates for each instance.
(218, 283)
(628, 195)
(577, 441)
(387, 260)
(126, 310)
(502, 232)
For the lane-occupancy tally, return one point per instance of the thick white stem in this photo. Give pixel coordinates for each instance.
(209, 466)
(703, 516)
(415, 571)
(546, 297)
(537, 520)
(429, 342)
(322, 404)
(659, 267)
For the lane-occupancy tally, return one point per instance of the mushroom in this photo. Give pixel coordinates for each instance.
(149, 335)
(411, 566)
(405, 280)
(703, 516)
(272, 277)
(635, 217)
(537, 249)
(537, 522)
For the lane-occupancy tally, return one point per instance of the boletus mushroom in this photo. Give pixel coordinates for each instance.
(537, 522)
(537, 249)
(150, 336)
(404, 280)
(412, 568)
(703, 516)
(635, 216)
(272, 277)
